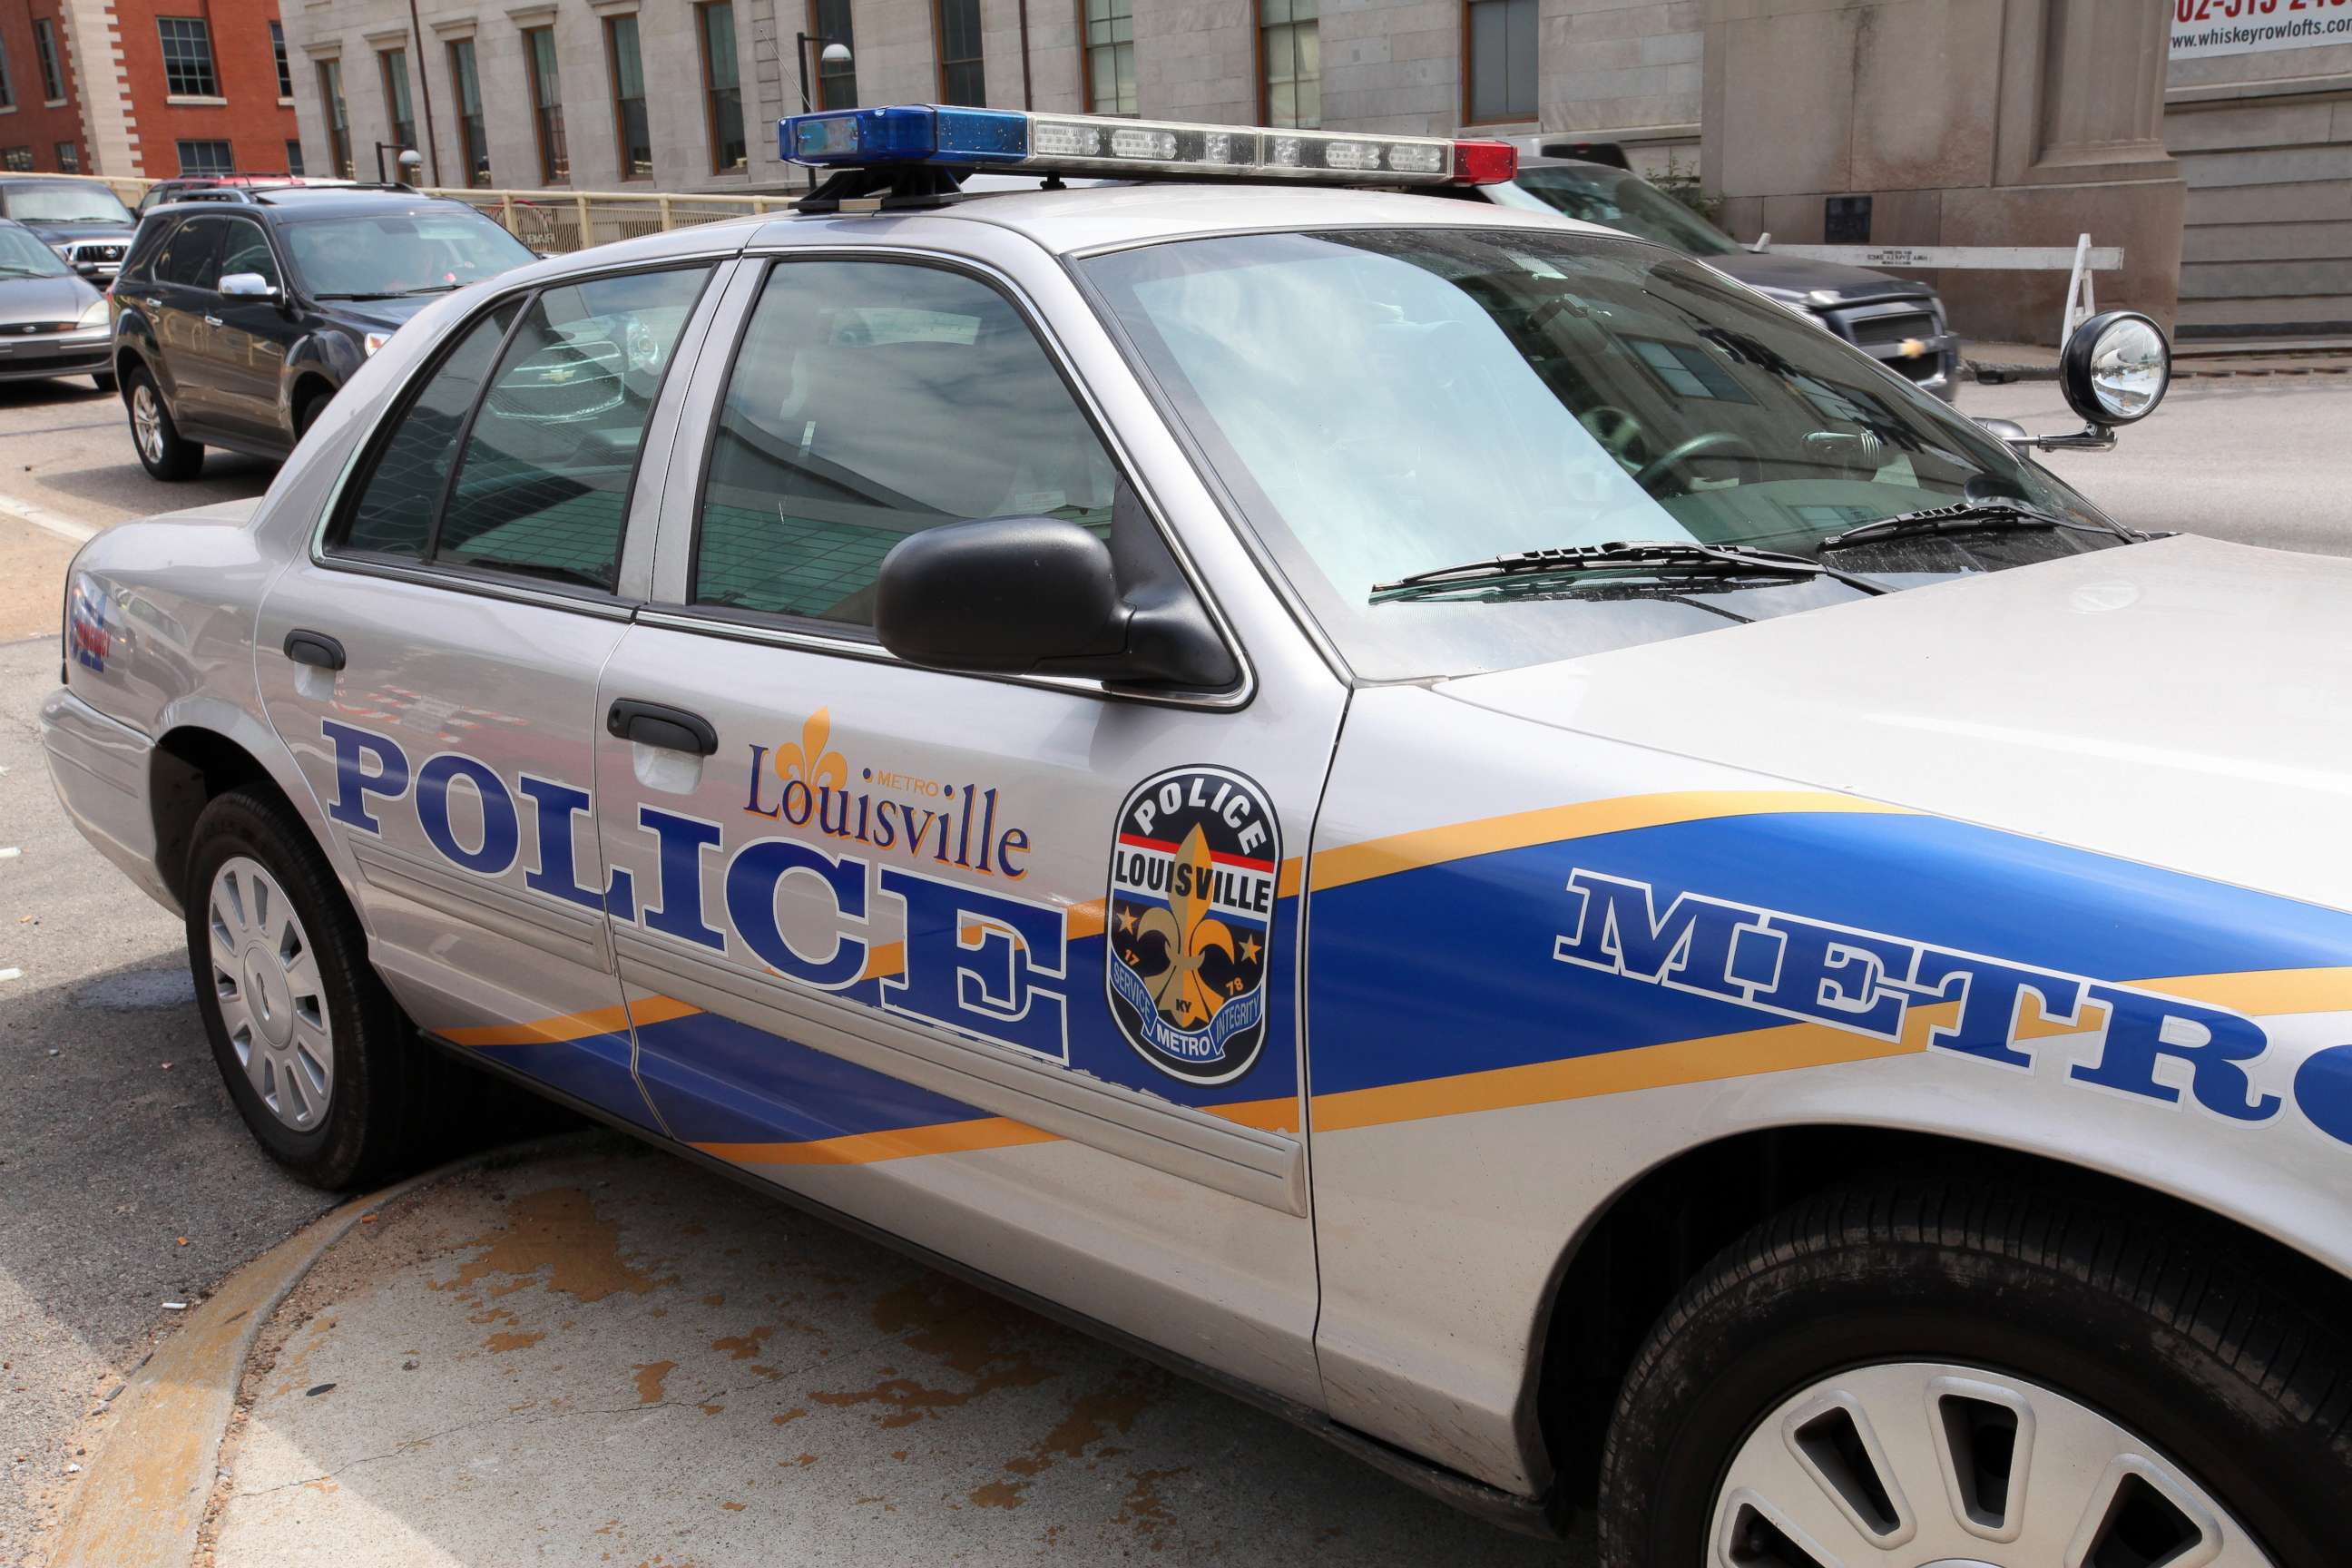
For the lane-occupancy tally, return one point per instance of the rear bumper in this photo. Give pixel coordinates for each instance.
(104, 778)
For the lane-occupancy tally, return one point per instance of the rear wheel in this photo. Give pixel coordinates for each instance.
(164, 452)
(1933, 1376)
(325, 1070)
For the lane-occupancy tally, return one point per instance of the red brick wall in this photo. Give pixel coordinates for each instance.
(34, 125)
(253, 122)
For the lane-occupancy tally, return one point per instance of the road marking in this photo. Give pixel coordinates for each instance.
(46, 521)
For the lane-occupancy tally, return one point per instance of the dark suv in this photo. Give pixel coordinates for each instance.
(235, 322)
(83, 221)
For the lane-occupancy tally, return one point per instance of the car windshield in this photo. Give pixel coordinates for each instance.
(22, 256)
(63, 203)
(1617, 200)
(398, 253)
(1386, 402)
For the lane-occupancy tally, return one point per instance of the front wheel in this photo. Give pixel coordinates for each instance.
(1924, 1375)
(103, 380)
(327, 1073)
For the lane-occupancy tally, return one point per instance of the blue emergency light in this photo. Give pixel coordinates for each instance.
(1099, 145)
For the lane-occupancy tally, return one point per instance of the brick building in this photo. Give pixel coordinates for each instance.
(40, 107)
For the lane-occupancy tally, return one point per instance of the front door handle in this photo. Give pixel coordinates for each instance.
(658, 724)
(316, 649)
(152, 301)
(212, 321)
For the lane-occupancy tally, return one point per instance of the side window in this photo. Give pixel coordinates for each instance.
(191, 257)
(543, 486)
(394, 513)
(247, 250)
(869, 400)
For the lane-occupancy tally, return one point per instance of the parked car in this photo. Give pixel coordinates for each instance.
(82, 220)
(52, 322)
(1899, 321)
(235, 322)
(1811, 964)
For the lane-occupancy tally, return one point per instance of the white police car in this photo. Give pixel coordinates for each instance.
(1439, 816)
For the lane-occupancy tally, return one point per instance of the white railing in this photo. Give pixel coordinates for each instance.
(559, 220)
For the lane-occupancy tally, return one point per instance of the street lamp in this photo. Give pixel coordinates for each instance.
(834, 53)
(409, 159)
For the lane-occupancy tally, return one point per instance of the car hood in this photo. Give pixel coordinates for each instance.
(60, 299)
(2179, 702)
(1801, 275)
(374, 315)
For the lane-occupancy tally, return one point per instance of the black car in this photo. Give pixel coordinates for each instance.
(52, 323)
(1898, 321)
(83, 221)
(235, 322)
(223, 188)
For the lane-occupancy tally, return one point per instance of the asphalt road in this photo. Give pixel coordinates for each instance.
(126, 1181)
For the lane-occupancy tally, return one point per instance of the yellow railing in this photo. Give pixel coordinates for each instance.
(560, 220)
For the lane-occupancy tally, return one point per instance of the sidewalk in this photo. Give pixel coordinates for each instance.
(606, 1354)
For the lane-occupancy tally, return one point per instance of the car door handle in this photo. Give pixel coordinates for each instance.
(316, 649)
(658, 724)
(154, 302)
(212, 321)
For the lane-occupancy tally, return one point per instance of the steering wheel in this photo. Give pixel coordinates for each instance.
(1675, 464)
(1619, 433)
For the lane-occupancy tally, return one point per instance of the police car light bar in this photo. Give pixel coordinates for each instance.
(1102, 145)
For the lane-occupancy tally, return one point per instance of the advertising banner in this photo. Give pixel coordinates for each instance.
(2204, 28)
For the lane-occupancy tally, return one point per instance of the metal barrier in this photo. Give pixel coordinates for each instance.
(555, 220)
(2083, 259)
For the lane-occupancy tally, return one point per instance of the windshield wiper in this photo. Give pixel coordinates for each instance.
(394, 294)
(1675, 555)
(1967, 517)
(428, 289)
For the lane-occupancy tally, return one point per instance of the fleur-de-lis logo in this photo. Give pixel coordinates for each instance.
(1188, 932)
(809, 762)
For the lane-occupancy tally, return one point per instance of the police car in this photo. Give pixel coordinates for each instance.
(1437, 815)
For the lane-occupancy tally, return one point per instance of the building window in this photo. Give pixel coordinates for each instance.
(16, 160)
(1290, 57)
(293, 157)
(1502, 61)
(1110, 56)
(393, 63)
(206, 158)
(68, 157)
(473, 141)
(836, 85)
(547, 104)
(45, 49)
(339, 127)
(636, 141)
(962, 80)
(7, 87)
(285, 66)
(187, 56)
(722, 87)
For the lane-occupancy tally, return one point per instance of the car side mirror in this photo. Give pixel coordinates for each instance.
(2113, 369)
(1040, 596)
(247, 286)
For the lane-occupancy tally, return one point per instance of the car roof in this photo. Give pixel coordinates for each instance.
(320, 201)
(1068, 221)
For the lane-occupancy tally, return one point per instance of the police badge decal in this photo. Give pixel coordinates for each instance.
(1194, 872)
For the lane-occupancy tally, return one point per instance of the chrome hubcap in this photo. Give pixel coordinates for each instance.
(147, 423)
(272, 999)
(1921, 1464)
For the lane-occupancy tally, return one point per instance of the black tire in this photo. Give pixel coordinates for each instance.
(103, 380)
(374, 1123)
(2212, 1350)
(306, 413)
(170, 456)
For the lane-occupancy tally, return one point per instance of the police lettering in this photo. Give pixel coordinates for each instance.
(1868, 983)
(980, 963)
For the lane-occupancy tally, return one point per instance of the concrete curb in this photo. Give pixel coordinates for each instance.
(141, 1498)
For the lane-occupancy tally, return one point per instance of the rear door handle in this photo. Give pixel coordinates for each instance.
(316, 649)
(658, 724)
(212, 321)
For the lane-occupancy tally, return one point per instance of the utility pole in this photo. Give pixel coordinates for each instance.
(425, 86)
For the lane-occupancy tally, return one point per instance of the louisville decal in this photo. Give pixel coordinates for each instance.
(1192, 886)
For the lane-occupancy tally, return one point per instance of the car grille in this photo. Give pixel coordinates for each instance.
(565, 381)
(1881, 328)
(101, 253)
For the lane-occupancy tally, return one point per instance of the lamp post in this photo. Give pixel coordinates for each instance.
(408, 158)
(833, 54)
